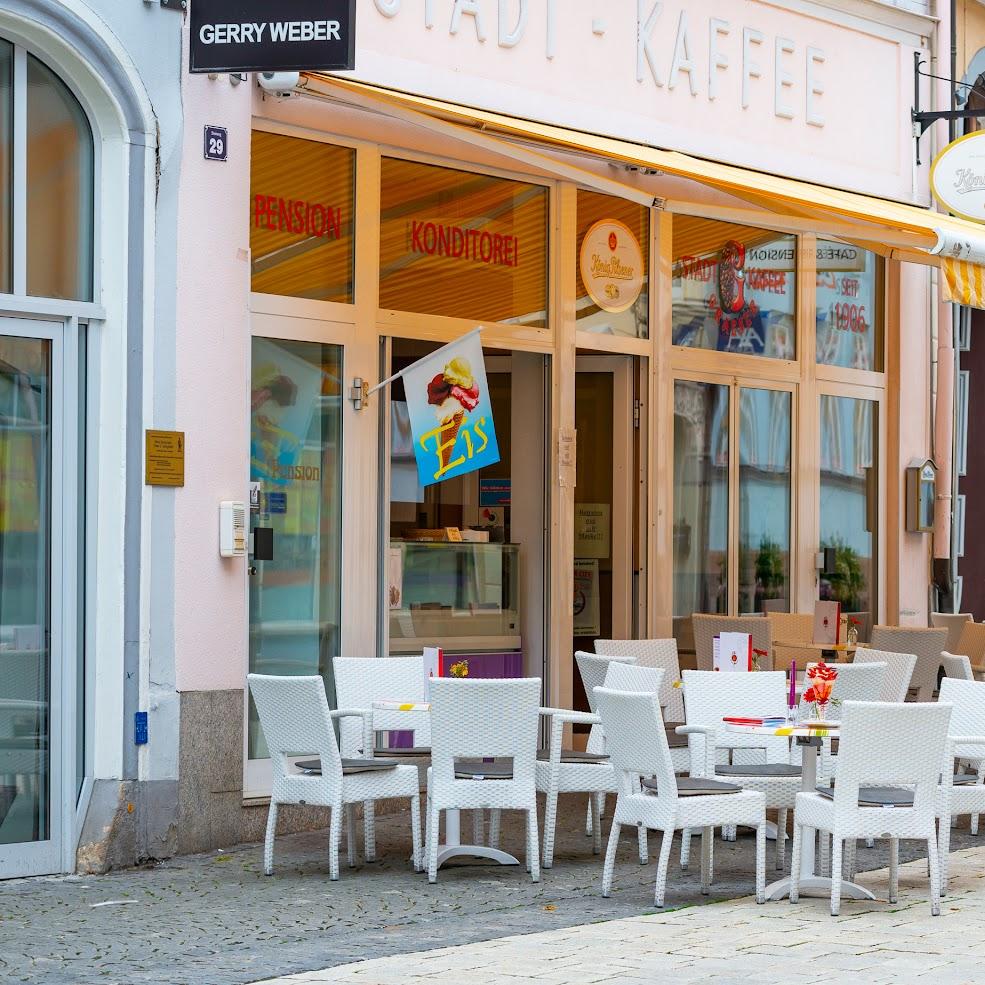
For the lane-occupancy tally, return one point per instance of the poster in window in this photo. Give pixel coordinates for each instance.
(586, 599)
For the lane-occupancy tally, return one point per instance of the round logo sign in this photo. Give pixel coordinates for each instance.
(612, 267)
(957, 177)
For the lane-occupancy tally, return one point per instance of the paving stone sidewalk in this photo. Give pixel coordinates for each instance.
(729, 943)
(215, 919)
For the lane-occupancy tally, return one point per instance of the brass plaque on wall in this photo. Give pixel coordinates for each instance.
(164, 458)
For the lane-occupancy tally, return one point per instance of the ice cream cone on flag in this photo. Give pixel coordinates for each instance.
(450, 427)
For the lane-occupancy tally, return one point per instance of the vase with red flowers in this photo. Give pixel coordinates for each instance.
(820, 678)
(852, 635)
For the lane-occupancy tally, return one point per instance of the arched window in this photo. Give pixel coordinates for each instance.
(46, 183)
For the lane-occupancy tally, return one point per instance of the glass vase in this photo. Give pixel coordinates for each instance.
(852, 635)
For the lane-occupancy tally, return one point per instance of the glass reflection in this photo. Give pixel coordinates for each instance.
(764, 500)
(701, 462)
(6, 165)
(849, 504)
(849, 306)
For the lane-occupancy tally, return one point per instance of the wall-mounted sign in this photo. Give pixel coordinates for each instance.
(957, 177)
(216, 144)
(612, 267)
(164, 458)
(592, 530)
(259, 36)
(495, 492)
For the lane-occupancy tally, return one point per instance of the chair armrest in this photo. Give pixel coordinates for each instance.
(695, 730)
(366, 714)
(352, 713)
(572, 717)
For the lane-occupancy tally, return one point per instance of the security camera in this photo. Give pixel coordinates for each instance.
(278, 83)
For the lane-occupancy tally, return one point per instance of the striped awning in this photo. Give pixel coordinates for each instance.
(963, 282)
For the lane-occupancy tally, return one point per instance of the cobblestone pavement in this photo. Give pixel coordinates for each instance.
(872, 943)
(215, 919)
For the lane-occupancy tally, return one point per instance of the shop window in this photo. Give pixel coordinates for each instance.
(6, 165)
(462, 245)
(849, 306)
(59, 189)
(613, 264)
(734, 288)
(302, 200)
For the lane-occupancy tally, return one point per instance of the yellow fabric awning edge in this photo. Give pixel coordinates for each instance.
(910, 231)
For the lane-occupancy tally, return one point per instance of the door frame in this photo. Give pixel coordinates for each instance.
(57, 852)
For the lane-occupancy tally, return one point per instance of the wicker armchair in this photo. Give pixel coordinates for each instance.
(954, 623)
(653, 653)
(899, 671)
(707, 627)
(638, 745)
(971, 643)
(926, 644)
(792, 627)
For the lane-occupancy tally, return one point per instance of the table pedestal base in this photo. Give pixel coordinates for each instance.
(819, 886)
(448, 852)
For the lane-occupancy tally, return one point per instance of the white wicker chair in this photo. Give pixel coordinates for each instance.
(654, 653)
(957, 665)
(899, 671)
(967, 744)
(926, 644)
(707, 627)
(638, 746)
(296, 720)
(954, 623)
(475, 719)
(882, 746)
(567, 771)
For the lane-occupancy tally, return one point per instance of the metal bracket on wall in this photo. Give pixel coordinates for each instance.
(171, 4)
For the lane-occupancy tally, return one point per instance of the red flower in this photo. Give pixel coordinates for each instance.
(810, 696)
(822, 672)
(854, 621)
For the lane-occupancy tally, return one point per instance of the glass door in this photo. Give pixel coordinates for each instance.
(294, 569)
(32, 569)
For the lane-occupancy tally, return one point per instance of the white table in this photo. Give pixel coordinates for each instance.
(452, 846)
(811, 884)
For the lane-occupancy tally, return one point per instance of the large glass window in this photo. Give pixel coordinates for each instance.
(849, 504)
(59, 189)
(462, 245)
(613, 266)
(701, 499)
(764, 500)
(302, 200)
(6, 165)
(849, 306)
(734, 288)
(296, 471)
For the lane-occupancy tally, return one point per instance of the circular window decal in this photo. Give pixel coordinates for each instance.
(612, 267)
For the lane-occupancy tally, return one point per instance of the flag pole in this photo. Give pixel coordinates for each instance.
(361, 391)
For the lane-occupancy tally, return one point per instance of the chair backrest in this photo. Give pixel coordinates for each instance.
(792, 627)
(887, 745)
(925, 643)
(707, 627)
(710, 696)
(296, 721)
(593, 669)
(652, 653)
(957, 665)
(899, 670)
(953, 622)
(636, 740)
(858, 681)
(967, 701)
(632, 677)
(478, 718)
(971, 643)
(359, 681)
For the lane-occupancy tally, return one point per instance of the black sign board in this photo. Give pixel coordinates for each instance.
(272, 35)
(216, 144)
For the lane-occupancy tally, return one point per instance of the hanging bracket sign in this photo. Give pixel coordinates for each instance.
(259, 36)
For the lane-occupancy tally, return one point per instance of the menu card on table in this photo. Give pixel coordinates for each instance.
(827, 623)
(732, 652)
(432, 668)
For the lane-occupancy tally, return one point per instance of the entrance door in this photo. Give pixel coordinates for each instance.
(606, 500)
(34, 570)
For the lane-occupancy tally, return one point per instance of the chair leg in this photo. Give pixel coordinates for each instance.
(641, 838)
(610, 858)
(268, 842)
(415, 831)
(494, 819)
(981, 779)
(350, 834)
(851, 860)
(945, 850)
(893, 869)
(597, 800)
(798, 841)
(334, 837)
(550, 822)
(685, 849)
(369, 831)
(729, 832)
(707, 837)
(823, 863)
(666, 840)
(781, 838)
(836, 849)
(533, 856)
(589, 812)
(761, 862)
(478, 827)
(935, 877)
(434, 821)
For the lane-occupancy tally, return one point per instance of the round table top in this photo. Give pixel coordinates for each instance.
(799, 730)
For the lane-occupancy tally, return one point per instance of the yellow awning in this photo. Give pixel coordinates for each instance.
(909, 232)
(963, 282)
